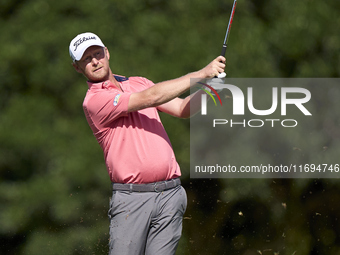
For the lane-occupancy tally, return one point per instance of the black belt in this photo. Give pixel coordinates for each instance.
(148, 187)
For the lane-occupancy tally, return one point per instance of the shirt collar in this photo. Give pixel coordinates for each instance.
(107, 84)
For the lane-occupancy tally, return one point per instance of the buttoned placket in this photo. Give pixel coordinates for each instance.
(108, 85)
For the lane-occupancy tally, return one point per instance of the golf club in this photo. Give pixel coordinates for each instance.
(224, 47)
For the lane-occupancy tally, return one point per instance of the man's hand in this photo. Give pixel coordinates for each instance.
(214, 68)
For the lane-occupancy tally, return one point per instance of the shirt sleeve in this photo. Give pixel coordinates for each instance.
(148, 83)
(105, 107)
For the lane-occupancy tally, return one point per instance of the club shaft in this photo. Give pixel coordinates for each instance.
(224, 48)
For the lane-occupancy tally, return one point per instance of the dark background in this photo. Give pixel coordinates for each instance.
(55, 190)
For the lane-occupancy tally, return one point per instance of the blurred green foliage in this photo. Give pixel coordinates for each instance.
(54, 188)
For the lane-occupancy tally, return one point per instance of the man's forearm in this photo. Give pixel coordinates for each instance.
(161, 92)
(168, 90)
(191, 104)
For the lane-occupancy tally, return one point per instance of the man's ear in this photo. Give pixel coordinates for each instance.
(76, 67)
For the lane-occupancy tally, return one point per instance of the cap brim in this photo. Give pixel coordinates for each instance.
(82, 50)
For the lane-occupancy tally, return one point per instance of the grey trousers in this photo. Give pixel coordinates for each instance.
(146, 222)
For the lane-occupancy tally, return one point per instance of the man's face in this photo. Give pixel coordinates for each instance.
(94, 64)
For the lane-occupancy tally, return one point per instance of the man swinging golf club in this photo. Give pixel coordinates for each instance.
(148, 201)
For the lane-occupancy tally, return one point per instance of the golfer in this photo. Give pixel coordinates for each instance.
(148, 201)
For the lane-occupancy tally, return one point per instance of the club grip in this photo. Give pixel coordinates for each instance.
(224, 48)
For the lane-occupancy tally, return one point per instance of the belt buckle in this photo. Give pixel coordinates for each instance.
(155, 188)
(159, 183)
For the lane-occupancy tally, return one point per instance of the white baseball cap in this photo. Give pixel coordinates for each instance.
(81, 42)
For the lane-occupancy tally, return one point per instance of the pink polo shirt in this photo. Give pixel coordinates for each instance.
(136, 146)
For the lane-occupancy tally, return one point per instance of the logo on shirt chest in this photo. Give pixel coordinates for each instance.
(116, 100)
